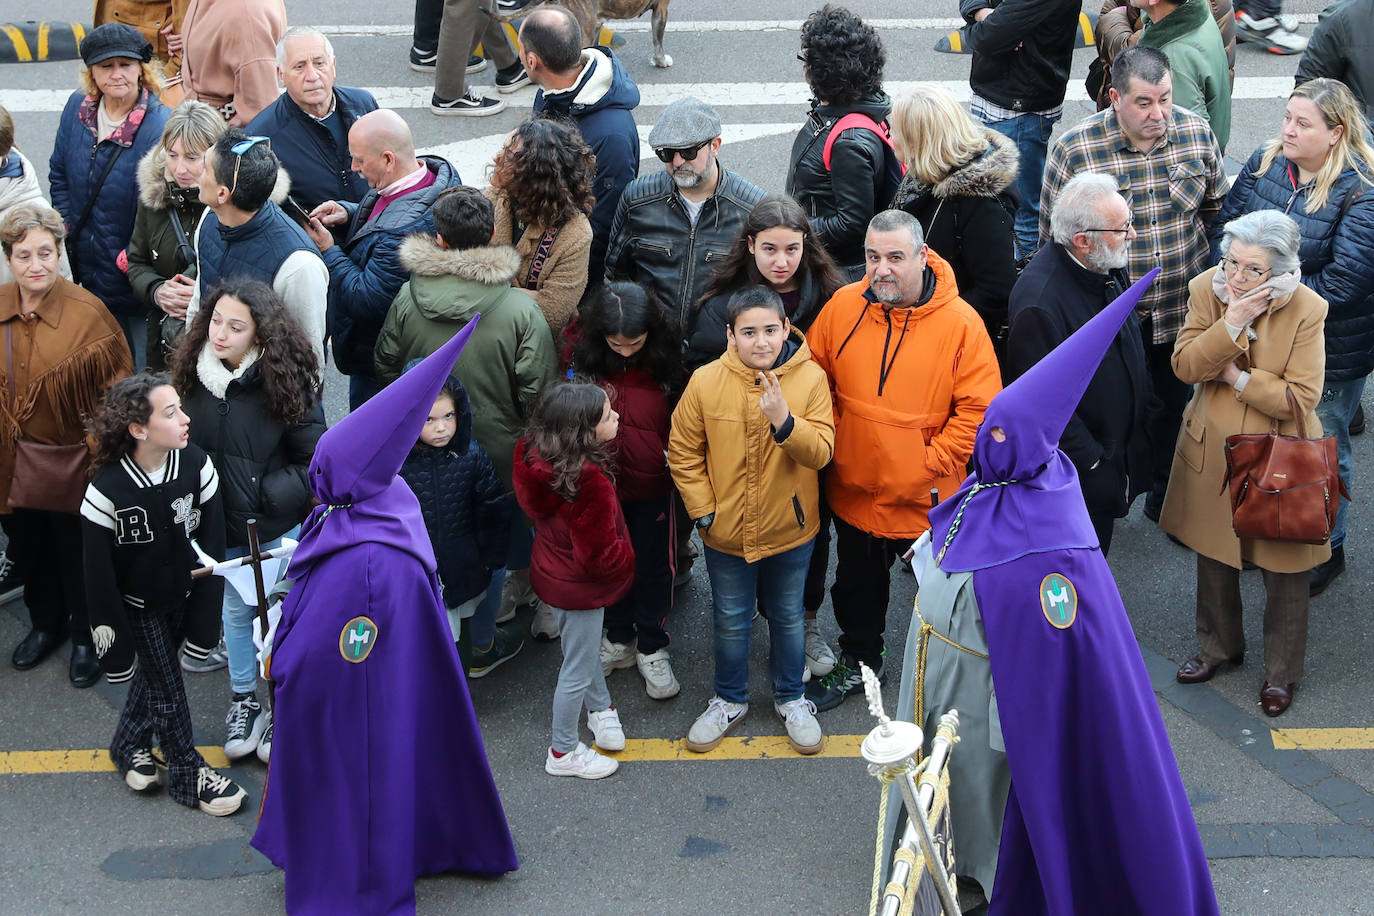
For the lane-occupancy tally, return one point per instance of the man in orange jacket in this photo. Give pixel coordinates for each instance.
(911, 371)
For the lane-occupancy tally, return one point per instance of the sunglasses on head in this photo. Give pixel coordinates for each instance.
(238, 149)
(688, 153)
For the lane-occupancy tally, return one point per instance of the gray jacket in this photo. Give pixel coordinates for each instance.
(654, 243)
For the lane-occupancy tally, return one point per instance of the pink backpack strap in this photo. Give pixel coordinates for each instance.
(857, 120)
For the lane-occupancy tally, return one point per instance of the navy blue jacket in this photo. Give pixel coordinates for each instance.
(602, 105)
(365, 273)
(319, 170)
(256, 249)
(75, 167)
(464, 504)
(1337, 253)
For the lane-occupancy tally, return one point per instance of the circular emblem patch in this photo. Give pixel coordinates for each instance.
(1059, 600)
(357, 639)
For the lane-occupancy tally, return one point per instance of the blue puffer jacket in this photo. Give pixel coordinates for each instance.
(465, 506)
(319, 170)
(74, 169)
(364, 272)
(1337, 252)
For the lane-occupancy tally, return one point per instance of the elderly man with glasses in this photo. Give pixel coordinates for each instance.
(245, 234)
(1071, 279)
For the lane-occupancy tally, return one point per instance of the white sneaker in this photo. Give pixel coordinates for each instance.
(606, 730)
(657, 671)
(820, 660)
(245, 724)
(710, 727)
(265, 743)
(543, 627)
(803, 731)
(217, 795)
(582, 762)
(1275, 35)
(616, 655)
(143, 772)
(516, 593)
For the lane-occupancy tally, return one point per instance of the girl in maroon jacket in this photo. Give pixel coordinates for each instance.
(629, 345)
(582, 560)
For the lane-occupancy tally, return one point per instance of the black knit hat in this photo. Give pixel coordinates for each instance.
(115, 39)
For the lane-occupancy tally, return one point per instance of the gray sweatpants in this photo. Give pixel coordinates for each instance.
(581, 681)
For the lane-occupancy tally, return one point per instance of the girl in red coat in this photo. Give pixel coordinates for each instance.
(629, 345)
(581, 561)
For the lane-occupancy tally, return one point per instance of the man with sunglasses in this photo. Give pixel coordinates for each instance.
(1070, 280)
(673, 227)
(245, 234)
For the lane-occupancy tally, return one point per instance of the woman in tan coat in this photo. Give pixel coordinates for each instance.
(1253, 335)
(541, 188)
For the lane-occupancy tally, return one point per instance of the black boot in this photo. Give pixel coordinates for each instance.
(1324, 574)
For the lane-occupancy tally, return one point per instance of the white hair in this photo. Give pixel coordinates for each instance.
(1271, 230)
(1075, 209)
(302, 31)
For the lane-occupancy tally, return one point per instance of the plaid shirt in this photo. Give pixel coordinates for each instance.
(1174, 193)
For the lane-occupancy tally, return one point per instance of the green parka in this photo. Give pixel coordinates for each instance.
(1197, 57)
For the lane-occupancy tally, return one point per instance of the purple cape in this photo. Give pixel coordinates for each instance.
(378, 770)
(1097, 819)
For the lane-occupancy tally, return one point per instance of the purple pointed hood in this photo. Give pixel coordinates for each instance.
(354, 471)
(1023, 496)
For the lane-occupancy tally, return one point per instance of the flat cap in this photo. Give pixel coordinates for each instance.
(115, 39)
(684, 123)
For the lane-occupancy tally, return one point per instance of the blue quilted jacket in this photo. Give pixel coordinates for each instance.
(1337, 252)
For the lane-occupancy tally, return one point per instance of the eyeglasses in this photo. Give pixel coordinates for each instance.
(1126, 230)
(688, 153)
(238, 149)
(1231, 268)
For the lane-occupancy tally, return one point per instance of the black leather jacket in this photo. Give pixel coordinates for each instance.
(654, 243)
(840, 201)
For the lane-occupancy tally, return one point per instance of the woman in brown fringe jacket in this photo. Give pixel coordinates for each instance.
(62, 350)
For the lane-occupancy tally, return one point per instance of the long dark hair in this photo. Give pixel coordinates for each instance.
(739, 268)
(629, 311)
(289, 368)
(563, 432)
(546, 171)
(127, 401)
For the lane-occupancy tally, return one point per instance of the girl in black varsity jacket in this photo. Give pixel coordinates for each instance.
(150, 495)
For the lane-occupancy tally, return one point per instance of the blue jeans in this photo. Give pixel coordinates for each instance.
(1031, 134)
(735, 585)
(482, 625)
(1336, 409)
(238, 623)
(135, 329)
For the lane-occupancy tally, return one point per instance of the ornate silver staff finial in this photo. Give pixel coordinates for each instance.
(891, 742)
(873, 690)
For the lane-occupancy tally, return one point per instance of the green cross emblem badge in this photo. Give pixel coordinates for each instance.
(1059, 600)
(357, 639)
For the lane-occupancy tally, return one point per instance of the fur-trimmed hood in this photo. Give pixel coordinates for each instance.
(155, 190)
(986, 175)
(492, 265)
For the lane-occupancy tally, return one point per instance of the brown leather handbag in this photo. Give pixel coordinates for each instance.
(50, 478)
(1283, 488)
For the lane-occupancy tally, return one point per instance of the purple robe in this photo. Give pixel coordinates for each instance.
(1097, 819)
(378, 770)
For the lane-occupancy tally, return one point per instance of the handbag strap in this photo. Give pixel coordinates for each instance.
(184, 246)
(1297, 413)
(95, 192)
(541, 257)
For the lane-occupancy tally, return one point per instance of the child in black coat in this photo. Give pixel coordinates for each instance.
(467, 514)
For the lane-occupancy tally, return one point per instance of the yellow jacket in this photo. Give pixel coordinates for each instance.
(724, 459)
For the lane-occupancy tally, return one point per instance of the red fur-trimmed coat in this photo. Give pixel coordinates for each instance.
(582, 558)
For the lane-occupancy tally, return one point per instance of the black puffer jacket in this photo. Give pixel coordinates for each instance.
(1023, 52)
(842, 199)
(967, 217)
(705, 334)
(1337, 252)
(262, 462)
(465, 506)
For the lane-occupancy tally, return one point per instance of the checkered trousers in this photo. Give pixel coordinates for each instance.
(157, 703)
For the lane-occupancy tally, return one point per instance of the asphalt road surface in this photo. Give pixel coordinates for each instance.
(1286, 815)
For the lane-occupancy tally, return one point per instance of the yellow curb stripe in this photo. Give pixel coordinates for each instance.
(19, 763)
(43, 29)
(1324, 739)
(763, 747)
(21, 46)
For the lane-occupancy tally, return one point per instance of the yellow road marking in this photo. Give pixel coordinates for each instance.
(1324, 739)
(1085, 25)
(763, 747)
(21, 47)
(17, 763)
(956, 42)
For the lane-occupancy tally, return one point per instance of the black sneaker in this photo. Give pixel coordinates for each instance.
(505, 645)
(844, 679)
(144, 772)
(470, 105)
(244, 725)
(476, 64)
(218, 795)
(512, 78)
(424, 61)
(512, 6)
(11, 586)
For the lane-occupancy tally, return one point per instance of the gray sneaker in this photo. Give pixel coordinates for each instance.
(710, 727)
(217, 659)
(803, 731)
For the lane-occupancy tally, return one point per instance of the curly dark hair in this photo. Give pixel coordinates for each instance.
(629, 310)
(288, 365)
(844, 56)
(546, 170)
(129, 400)
(563, 432)
(739, 267)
